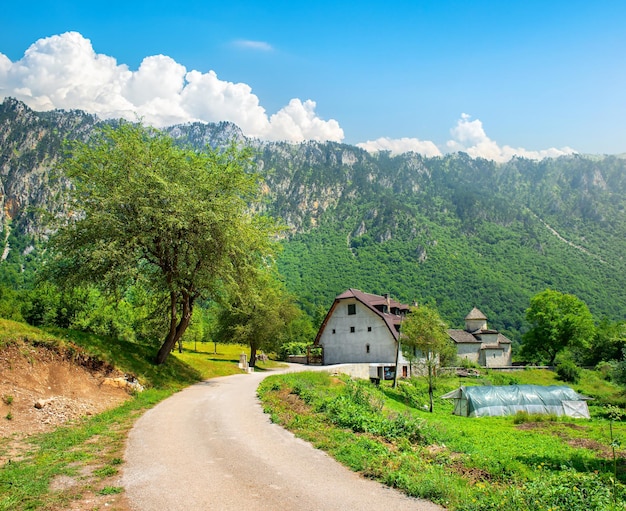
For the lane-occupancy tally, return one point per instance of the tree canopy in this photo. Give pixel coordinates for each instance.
(260, 317)
(558, 321)
(425, 340)
(175, 220)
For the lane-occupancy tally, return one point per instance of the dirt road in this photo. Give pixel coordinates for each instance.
(211, 447)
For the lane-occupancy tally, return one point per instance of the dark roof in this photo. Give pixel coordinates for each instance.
(371, 301)
(491, 347)
(462, 336)
(475, 314)
(502, 339)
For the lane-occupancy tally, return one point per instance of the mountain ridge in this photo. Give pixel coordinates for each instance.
(451, 230)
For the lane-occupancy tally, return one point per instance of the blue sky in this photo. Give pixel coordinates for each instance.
(492, 78)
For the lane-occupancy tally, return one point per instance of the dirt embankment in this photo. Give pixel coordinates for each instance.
(42, 388)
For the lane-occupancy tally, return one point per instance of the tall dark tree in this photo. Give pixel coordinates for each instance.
(177, 220)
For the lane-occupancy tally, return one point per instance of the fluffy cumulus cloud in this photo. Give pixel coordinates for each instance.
(470, 137)
(64, 71)
(467, 136)
(401, 145)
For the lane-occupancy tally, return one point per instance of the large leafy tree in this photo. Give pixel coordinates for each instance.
(557, 321)
(177, 221)
(425, 341)
(260, 317)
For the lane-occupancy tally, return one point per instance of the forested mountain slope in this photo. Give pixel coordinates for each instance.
(451, 230)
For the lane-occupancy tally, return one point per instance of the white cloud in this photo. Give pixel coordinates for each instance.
(470, 137)
(467, 136)
(63, 71)
(401, 145)
(297, 121)
(253, 45)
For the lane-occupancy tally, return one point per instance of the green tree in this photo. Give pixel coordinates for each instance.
(425, 340)
(607, 344)
(557, 321)
(146, 210)
(259, 317)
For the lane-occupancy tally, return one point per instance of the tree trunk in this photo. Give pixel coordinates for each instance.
(430, 388)
(431, 376)
(177, 329)
(252, 362)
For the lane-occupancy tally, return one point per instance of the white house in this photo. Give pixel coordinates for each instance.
(362, 328)
(479, 344)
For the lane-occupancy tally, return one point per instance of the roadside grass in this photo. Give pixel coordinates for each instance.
(82, 459)
(461, 463)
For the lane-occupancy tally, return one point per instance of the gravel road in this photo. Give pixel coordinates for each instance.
(211, 447)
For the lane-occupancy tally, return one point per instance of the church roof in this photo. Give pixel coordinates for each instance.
(463, 336)
(475, 314)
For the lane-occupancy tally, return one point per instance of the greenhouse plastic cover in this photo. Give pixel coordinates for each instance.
(481, 401)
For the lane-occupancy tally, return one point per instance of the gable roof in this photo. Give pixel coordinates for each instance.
(463, 337)
(370, 301)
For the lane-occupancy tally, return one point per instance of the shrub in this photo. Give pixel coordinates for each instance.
(522, 417)
(568, 371)
(619, 372)
(606, 369)
(467, 364)
(292, 348)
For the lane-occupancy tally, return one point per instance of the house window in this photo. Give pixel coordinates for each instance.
(351, 309)
(352, 329)
(367, 348)
(369, 328)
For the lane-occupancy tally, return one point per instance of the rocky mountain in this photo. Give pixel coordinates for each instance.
(452, 230)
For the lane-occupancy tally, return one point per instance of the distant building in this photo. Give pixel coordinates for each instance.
(363, 328)
(479, 344)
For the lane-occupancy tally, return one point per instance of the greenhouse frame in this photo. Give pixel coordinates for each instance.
(489, 401)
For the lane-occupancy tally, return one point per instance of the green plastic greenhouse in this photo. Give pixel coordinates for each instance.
(485, 401)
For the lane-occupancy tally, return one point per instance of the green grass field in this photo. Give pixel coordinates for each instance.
(469, 464)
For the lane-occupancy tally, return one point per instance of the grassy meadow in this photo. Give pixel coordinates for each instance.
(521, 463)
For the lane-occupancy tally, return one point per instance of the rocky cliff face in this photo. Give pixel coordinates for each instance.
(30, 145)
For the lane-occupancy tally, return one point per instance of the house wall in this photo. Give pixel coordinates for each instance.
(496, 357)
(469, 351)
(471, 325)
(344, 346)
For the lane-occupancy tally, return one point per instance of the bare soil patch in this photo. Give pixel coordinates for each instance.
(41, 389)
(601, 450)
(63, 389)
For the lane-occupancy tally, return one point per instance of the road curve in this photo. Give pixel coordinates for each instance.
(211, 447)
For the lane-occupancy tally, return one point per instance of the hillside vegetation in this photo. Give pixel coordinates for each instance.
(452, 231)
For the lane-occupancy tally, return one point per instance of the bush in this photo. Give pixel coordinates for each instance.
(619, 372)
(523, 417)
(292, 348)
(568, 371)
(606, 369)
